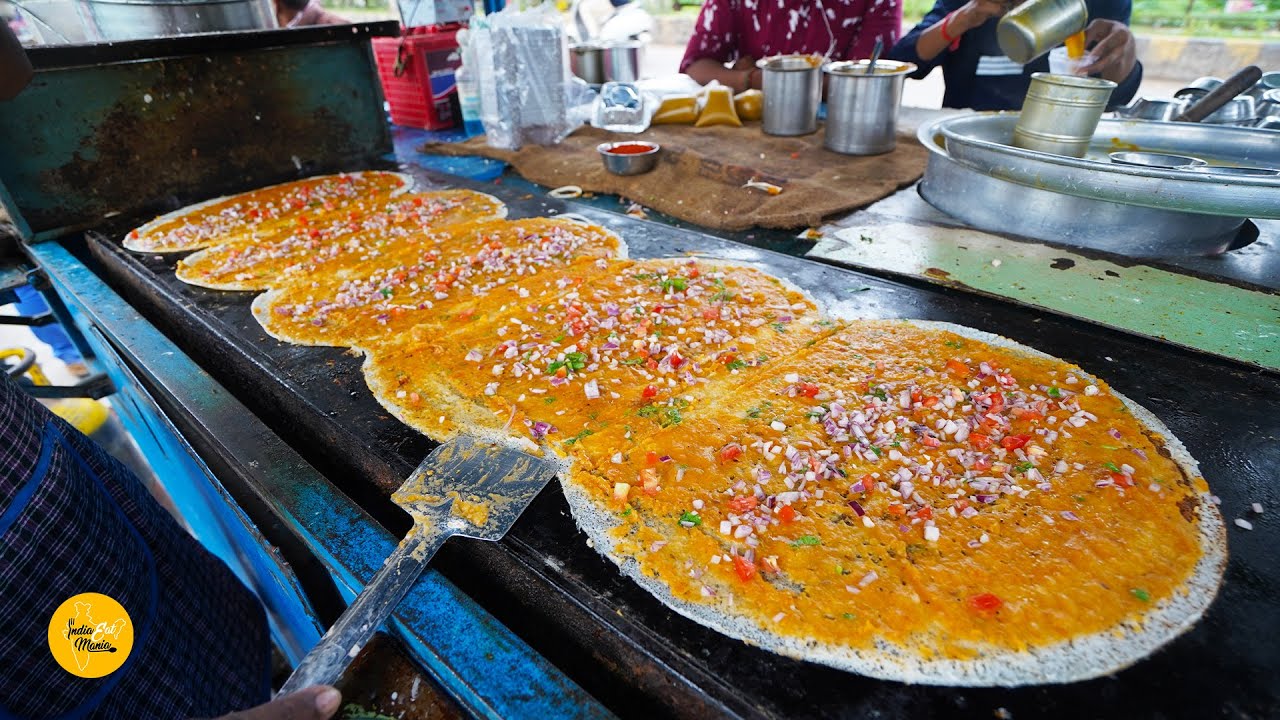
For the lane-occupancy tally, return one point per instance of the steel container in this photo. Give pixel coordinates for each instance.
(1060, 113)
(1147, 109)
(138, 19)
(1036, 27)
(587, 62)
(792, 86)
(622, 62)
(1239, 109)
(862, 109)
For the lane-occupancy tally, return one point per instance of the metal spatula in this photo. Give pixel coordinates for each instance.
(497, 483)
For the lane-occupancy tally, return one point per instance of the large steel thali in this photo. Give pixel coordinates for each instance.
(988, 202)
(982, 142)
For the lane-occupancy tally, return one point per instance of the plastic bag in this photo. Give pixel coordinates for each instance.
(749, 104)
(677, 110)
(718, 109)
(527, 94)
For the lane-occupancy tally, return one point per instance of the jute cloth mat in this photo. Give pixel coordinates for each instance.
(701, 172)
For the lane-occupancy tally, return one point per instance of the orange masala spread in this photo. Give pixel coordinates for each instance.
(851, 483)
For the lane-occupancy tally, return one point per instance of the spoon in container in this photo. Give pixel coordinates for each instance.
(875, 56)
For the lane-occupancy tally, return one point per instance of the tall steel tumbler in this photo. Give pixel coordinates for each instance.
(862, 109)
(792, 86)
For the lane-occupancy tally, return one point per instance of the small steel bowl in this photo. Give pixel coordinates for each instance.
(629, 164)
(1237, 171)
(1148, 109)
(1238, 109)
(1191, 93)
(1268, 123)
(1164, 161)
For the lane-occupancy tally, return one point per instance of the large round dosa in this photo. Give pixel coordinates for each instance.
(1079, 659)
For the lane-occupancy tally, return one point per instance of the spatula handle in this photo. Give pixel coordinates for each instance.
(326, 661)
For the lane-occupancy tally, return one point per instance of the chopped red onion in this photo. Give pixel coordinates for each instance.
(665, 458)
(592, 390)
(541, 429)
(857, 508)
(1113, 433)
(1139, 453)
(1068, 515)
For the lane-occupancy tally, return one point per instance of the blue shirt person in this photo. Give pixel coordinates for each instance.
(960, 36)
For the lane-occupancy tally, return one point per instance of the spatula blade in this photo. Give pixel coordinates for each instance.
(488, 484)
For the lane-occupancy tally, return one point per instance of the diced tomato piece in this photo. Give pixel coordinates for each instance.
(1013, 442)
(417, 202)
(1027, 414)
(984, 462)
(925, 513)
(744, 567)
(651, 364)
(986, 602)
(997, 401)
(693, 272)
(649, 392)
(961, 505)
(711, 313)
(561, 372)
(809, 389)
(727, 358)
(930, 441)
(896, 509)
(649, 481)
(651, 458)
(676, 360)
(868, 485)
(980, 441)
(786, 514)
(1122, 480)
(730, 452)
(916, 396)
(955, 367)
(743, 504)
(929, 401)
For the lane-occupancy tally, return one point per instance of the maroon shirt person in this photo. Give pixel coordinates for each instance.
(730, 35)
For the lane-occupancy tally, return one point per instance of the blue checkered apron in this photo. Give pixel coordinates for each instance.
(75, 520)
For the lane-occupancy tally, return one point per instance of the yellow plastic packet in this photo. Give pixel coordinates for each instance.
(676, 110)
(749, 104)
(718, 109)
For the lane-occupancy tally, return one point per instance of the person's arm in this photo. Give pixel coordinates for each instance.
(905, 48)
(947, 31)
(715, 43)
(742, 75)
(1110, 42)
(15, 68)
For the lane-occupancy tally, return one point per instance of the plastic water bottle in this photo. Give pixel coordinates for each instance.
(469, 100)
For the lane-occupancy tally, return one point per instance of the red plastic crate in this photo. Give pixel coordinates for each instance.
(417, 70)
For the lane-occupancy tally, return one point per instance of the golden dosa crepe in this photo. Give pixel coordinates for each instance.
(593, 350)
(913, 503)
(345, 240)
(447, 276)
(235, 218)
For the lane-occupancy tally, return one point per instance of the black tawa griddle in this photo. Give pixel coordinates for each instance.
(642, 659)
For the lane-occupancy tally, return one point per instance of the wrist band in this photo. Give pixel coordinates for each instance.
(953, 43)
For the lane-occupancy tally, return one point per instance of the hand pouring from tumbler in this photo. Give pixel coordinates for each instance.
(464, 487)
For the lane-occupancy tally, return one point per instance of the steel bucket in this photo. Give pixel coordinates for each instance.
(622, 62)
(587, 62)
(137, 19)
(792, 86)
(862, 110)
